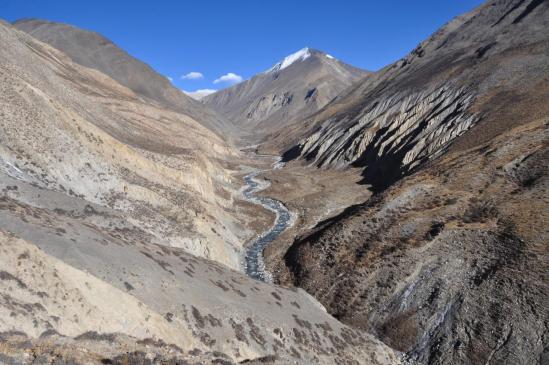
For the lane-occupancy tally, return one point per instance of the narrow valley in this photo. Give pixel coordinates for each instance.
(307, 211)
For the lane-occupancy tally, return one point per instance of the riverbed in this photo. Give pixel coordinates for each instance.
(254, 264)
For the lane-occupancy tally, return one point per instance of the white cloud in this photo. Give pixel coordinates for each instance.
(199, 94)
(229, 78)
(169, 78)
(194, 75)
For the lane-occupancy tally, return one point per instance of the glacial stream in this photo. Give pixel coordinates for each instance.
(253, 258)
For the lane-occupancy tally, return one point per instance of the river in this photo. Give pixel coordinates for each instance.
(254, 264)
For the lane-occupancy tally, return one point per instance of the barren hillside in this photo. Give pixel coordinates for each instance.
(93, 50)
(108, 203)
(395, 217)
(447, 261)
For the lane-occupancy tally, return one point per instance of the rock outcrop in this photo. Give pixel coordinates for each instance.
(395, 135)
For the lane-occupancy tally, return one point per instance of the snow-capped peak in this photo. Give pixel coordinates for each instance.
(300, 55)
(330, 56)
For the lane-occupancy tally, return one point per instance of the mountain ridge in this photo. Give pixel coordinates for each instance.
(341, 135)
(94, 50)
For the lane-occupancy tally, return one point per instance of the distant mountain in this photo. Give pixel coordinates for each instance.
(93, 50)
(294, 88)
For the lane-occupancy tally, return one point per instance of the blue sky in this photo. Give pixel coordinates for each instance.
(217, 38)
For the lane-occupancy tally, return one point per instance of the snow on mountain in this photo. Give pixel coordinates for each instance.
(294, 88)
(300, 55)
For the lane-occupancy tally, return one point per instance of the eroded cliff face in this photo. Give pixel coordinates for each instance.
(393, 136)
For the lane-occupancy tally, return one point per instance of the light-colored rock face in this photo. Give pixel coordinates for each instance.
(92, 50)
(292, 89)
(110, 205)
(73, 130)
(399, 130)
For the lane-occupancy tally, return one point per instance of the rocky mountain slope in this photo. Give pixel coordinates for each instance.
(409, 112)
(447, 262)
(292, 89)
(110, 206)
(93, 50)
(449, 265)
(122, 222)
(72, 130)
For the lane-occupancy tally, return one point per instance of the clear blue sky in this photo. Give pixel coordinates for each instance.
(246, 37)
